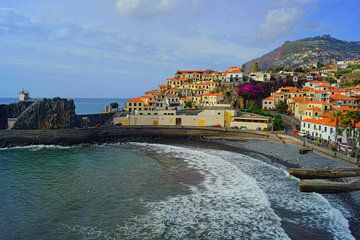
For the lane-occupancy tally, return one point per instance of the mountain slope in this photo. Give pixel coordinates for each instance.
(307, 51)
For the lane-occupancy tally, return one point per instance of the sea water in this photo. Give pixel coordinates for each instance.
(156, 191)
(84, 105)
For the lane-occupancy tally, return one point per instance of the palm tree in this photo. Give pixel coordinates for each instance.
(355, 118)
(336, 116)
(346, 124)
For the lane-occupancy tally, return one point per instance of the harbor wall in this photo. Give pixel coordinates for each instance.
(10, 138)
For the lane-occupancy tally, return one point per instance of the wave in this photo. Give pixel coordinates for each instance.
(36, 147)
(240, 198)
(310, 210)
(228, 204)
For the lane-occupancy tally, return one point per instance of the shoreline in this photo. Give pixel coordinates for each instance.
(286, 159)
(69, 137)
(277, 154)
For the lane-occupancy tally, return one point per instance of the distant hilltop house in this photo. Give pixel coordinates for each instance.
(24, 95)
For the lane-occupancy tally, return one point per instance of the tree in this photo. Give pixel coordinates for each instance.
(354, 117)
(188, 104)
(330, 80)
(336, 116)
(114, 105)
(255, 67)
(243, 67)
(320, 65)
(346, 125)
(282, 107)
(278, 123)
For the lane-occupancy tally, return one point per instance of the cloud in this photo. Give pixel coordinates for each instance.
(147, 9)
(278, 22)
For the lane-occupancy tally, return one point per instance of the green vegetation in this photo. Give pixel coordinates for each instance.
(252, 108)
(282, 107)
(243, 67)
(320, 65)
(114, 105)
(343, 71)
(188, 104)
(255, 67)
(278, 123)
(330, 80)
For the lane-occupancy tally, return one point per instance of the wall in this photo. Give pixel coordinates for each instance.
(91, 120)
(110, 134)
(250, 125)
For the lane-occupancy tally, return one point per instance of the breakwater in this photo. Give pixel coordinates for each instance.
(119, 133)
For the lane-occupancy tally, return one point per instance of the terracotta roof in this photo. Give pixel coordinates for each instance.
(269, 98)
(326, 121)
(137, 99)
(213, 95)
(342, 97)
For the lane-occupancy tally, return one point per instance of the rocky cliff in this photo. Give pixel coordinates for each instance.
(15, 109)
(54, 113)
(3, 116)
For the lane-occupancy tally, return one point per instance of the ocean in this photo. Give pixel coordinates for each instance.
(159, 190)
(83, 105)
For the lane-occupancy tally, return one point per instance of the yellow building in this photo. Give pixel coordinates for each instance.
(211, 99)
(251, 121)
(205, 118)
(134, 104)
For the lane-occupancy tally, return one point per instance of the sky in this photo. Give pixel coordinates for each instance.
(121, 48)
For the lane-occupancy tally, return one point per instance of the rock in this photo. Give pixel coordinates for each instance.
(15, 109)
(54, 113)
(3, 116)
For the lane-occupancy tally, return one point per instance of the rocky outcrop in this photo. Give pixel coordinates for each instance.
(3, 116)
(54, 113)
(15, 109)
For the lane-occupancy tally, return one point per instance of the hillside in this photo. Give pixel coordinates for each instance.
(307, 51)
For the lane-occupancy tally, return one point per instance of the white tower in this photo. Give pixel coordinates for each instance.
(24, 95)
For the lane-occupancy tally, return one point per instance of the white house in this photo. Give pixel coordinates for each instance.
(324, 129)
(260, 76)
(233, 75)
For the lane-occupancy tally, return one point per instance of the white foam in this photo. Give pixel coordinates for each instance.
(310, 210)
(235, 201)
(36, 147)
(227, 204)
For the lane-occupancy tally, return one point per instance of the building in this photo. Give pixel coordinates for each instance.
(211, 99)
(268, 103)
(202, 118)
(134, 104)
(24, 95)
(233, 75)
(324, 129)
(260, 76)
(251, 121)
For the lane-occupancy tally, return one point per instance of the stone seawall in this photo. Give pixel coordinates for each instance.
(10, 138)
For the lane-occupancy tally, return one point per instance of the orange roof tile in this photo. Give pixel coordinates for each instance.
(342, 97)
(137, 99)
